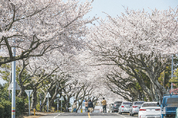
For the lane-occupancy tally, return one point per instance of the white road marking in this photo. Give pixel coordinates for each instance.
(57, 115)
(123, 116)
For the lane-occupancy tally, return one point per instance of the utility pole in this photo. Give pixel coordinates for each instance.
(172, 74)
(13, 83)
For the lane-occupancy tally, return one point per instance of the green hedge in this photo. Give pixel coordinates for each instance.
(6, 105)
(1, 111)
(20, 106)
(5, 108)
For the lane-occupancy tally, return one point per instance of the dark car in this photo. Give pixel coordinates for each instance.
(116, 105)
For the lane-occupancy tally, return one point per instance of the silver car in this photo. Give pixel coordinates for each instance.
(134, 109)
(124, 108)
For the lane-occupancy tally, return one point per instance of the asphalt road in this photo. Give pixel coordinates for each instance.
(86, 115)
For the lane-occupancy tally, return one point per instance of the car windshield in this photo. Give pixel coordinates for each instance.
(149, 105)
(127, 103)
(138, 103)
(172, 102)
(117, 102)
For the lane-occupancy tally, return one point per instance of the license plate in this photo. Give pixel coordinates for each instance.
(150, 109)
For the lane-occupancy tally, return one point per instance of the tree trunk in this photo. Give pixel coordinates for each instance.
(34, 98)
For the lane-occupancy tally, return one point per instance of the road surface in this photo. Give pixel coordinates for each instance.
(86, 115)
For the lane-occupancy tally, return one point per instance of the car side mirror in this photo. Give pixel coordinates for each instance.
(158, 104)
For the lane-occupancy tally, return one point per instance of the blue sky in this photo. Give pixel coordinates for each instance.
(115, 7)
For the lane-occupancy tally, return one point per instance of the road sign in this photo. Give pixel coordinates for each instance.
(58, 95)
(28, 92)
(48, 95)
(61, 98)
(17, 86)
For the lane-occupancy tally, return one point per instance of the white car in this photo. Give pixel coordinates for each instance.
(149, 110)
(134, 109)
(124, 108)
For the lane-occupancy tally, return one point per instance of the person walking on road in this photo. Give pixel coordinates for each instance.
(86, 106)
(90, 106)
(104, 105)
(74, 106)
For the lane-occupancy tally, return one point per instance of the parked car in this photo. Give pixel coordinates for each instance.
(124, 107)
(135, 107)
(149, 110)
(116, 105)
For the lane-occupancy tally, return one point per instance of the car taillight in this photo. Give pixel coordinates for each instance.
(134, 106)
(122, 106)
(142, 110)
(157, 109)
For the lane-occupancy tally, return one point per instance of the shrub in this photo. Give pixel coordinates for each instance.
(7, 108)
(38, 107)
(20, 106)
(1, 111)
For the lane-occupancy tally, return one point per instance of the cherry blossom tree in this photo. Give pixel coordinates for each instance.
(138, 42)
(35, 27)
(96, 76)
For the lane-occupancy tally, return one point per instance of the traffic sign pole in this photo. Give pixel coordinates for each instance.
(29, 103)
(48, 96)
(28, 92)
(61, 105)
(40, 103)
(57, 102)
(48, 104)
